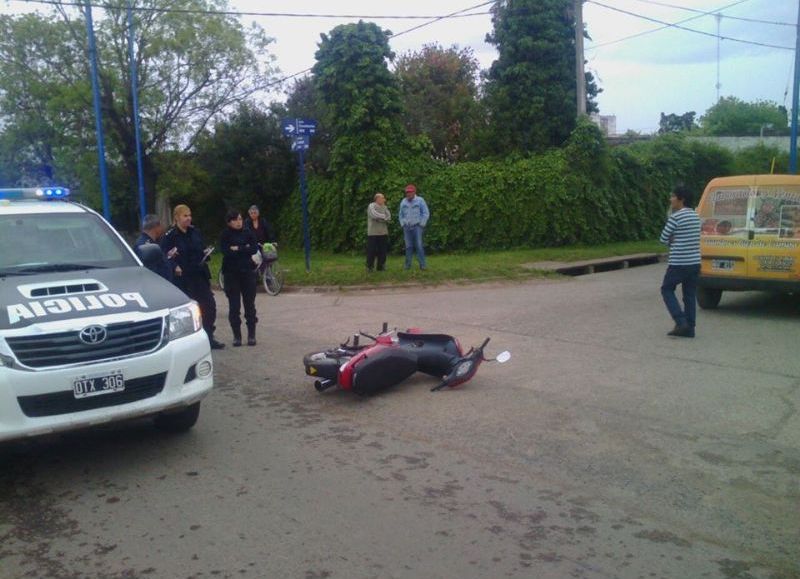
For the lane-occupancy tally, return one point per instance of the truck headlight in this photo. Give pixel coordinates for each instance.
(184, 321)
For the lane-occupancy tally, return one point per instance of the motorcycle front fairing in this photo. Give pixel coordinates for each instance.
(436, 353)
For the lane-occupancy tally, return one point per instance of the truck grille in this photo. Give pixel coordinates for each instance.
(65, 402)
(123, 339)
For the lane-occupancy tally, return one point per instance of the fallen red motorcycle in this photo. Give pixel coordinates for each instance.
(392, 357)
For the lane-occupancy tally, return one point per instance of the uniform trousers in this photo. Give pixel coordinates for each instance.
(240, 288)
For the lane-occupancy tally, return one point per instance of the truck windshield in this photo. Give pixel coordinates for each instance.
(35, 243)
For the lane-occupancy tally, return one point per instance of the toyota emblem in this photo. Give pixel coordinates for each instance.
(93, 335)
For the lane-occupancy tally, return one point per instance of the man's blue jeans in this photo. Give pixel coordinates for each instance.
(685, 276)
(413, 239)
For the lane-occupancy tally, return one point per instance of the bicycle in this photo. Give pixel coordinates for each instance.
(270, 276)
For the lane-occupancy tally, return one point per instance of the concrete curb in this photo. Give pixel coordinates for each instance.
(570, 268)
(597, 265)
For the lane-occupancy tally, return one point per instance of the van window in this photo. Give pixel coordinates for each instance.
(726, 211)
(52, 239)
(775, 211)
(790, 221)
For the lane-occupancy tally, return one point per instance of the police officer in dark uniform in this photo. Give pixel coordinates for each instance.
(191, 268)
(238, 247)
(152, 230)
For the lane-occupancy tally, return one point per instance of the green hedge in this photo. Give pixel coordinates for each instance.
(583, 193)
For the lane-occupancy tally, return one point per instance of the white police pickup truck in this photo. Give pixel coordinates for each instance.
(87, 334)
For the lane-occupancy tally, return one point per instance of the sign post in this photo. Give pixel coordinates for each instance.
(304, 197)
(300, 131)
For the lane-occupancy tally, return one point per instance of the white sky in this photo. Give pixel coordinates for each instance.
(670, 71)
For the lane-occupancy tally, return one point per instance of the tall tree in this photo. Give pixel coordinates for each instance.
(440, 97)
(673, 123)
(531, 88)
(361, 98)
(248, 161)
(733, 117)
(193, 63)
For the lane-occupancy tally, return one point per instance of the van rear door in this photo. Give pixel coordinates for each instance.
(775, 226)
(725, 213)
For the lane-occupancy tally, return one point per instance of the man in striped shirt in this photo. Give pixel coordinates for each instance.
(682, 234)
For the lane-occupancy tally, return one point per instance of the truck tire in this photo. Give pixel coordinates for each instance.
(179, 421)
(708, 298)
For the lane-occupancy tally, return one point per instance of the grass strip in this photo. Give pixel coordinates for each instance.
(349, 269)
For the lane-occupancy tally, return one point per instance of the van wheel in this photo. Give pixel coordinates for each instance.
(708, 298)
(180, 421)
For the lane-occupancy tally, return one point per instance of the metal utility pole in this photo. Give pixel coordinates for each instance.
(580, 75)
(98, 119)
(718, 85)
(135, 93)
(795, 98)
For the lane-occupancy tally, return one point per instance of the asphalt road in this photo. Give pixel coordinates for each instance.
(602, 449)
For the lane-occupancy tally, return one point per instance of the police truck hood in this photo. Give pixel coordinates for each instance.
(87, 293)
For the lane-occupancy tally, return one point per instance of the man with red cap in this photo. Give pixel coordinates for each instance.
(413, 216)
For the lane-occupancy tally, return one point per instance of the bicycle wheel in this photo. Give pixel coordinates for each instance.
(273, 279)
(221, 280)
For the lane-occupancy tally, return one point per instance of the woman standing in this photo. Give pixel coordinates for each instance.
(183, 244)
(259, 226)
(378, 219)
(238, 247)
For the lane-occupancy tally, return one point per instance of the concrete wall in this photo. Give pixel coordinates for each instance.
(737, 143)
(730, 143)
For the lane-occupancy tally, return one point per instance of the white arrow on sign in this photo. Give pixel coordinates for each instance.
(290, 129)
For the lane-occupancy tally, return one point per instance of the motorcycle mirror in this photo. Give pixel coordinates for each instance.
(503, 357)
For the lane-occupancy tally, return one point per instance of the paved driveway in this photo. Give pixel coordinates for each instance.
(603, 449)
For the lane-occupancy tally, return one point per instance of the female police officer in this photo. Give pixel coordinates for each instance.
(238, 247)
(191, 270)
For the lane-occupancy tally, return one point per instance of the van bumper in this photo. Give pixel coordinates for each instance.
(738, 284)
(42, 402)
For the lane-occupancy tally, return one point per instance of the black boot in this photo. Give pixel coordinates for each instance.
(251, 335)
(215, 345)
(682, 331)
(237, 337)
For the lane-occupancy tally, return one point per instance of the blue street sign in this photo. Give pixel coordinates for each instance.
(292, 127)
(300, 142)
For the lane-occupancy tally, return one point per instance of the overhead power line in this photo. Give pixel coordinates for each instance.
(715, 12)
(667, 25)
(671, 25)
(270, 14)
(464, 12)
(413, 28)
(438, 18)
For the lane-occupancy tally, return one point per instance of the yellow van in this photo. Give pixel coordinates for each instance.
(750, 238)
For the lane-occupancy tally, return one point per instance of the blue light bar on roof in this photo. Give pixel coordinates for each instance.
(35, 193)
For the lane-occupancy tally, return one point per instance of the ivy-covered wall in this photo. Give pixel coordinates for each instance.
(584, 193)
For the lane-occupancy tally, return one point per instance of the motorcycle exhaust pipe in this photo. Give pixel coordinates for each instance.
(324, 384)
